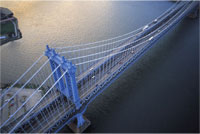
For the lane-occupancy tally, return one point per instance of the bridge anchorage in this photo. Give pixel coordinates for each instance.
(67, 86)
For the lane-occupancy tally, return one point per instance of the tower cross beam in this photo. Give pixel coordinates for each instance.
(68, 84)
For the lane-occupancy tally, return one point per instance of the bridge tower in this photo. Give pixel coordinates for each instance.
(67, 86)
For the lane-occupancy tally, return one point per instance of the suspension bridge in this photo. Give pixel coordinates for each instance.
(63, 81)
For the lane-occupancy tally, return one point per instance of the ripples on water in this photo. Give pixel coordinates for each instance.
(69, 23)
(158, 94)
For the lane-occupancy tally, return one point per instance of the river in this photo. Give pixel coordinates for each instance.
(159, 93)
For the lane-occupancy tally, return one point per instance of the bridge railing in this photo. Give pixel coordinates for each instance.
(43, 101)
(92, 67)
(128, 48)
(20, 97)
(91, 51)
(46, 111)
(117, 38)
(27, 74)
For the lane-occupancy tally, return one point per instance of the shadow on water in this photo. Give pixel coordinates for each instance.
(159, 93)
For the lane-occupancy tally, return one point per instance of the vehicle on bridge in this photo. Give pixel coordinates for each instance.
(71, 77)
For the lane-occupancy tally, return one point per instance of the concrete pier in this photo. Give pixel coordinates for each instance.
(75, 129)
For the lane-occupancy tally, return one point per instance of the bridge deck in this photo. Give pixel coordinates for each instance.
(125, 59)
(55, 106)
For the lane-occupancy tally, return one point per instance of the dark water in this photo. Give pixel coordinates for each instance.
(159, 93)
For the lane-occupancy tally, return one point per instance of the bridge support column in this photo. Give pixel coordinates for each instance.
(80, 124)
(53, 66)
(80, 120)
(72, 76)
(69, 87)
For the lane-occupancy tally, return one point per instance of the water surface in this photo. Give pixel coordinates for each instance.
(157, 94)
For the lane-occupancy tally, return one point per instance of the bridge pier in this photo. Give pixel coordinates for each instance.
(79, 124)
(67, 87)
